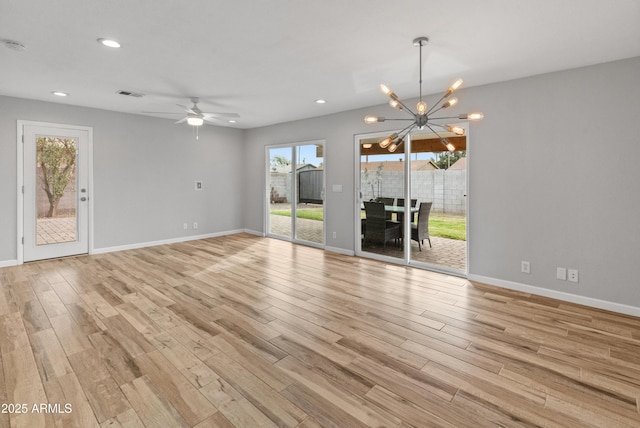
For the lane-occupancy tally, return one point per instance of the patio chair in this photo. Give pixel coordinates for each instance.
(386, 201)
(420, 231)
(378, 228)
(400, 203)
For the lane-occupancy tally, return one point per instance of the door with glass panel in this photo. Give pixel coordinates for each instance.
(438, 190)
(56, 191)
(381, 188)
(423, 189)
(295, 192)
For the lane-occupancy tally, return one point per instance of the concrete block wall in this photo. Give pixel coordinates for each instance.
(445, 188)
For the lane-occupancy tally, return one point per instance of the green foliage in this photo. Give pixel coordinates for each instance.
(57, 160)
(308, 213)
(445, 159)
(448, 226)
(280, 160)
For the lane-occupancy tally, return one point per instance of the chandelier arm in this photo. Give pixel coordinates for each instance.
(446, 117)
(431, 110)
(386, 119)
(442, 139)
(405, 108)
(407, 129)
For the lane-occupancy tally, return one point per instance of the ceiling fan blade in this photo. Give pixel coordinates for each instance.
(161, 112)
(187, 109)
(206, 115)
(183, 119)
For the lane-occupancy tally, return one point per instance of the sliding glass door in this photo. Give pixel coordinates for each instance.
(295, 192)
(424, 190)
(382, 186)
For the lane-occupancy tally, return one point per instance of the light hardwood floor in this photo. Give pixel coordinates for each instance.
(253, 332)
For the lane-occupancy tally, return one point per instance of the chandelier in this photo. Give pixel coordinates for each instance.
(423, 117)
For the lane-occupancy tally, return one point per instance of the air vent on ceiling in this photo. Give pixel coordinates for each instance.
(130, 94)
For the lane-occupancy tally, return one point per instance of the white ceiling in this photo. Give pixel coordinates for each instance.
(268, 60)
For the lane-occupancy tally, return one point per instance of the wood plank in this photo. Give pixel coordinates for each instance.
(75, 411)
(172, 385)
(153, 410)
(269, 401)
(104, 395)
(337, 397)
(50, 357)
(234, 406)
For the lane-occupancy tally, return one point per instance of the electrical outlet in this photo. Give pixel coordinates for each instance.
(525, 266)
(185, 226)
(561, 273)
(334, 235)
(573, 275)
(195, 224)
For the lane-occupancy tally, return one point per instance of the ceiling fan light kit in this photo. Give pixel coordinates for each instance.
(423, 117)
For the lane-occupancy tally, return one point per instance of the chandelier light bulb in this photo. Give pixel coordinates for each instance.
(421, 107)
(385, 89)
(475, 116)
(367, 145)
(371, 119)
(393, 147)
(451, 147)
(385, 143)
(449, 103)
(395, 104)
(456, 130)
(455, 85)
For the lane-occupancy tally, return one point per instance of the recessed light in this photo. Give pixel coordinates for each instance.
(109, 43)
(232, 121)
(321, 101)
(60, 94)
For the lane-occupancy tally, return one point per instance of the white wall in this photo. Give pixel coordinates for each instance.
(552, 173)
(144, 173)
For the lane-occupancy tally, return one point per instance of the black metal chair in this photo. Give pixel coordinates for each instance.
(378, 229)
(420, 231)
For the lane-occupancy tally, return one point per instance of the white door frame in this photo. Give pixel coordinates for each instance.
(406, 259)
(20, 180)
(294, 192)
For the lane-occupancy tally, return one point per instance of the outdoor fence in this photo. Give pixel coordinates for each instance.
(446, 189)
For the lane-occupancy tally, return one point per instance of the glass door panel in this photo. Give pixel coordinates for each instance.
(296, 192)
(280, 192)
(56, 219)
(309, 218)
(438, 189)
(382, 183)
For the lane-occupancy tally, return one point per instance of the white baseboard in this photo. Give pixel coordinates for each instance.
(7, 263)
(567, 297)
(254, 232)
(163, 242)
(340, 251)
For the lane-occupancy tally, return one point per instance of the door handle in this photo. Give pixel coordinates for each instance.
(83, 199)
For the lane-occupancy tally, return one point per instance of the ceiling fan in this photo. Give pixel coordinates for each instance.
(197, 117)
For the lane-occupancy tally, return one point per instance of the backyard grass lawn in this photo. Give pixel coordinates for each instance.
(448, 226)
(443, 225)
(308, 213)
